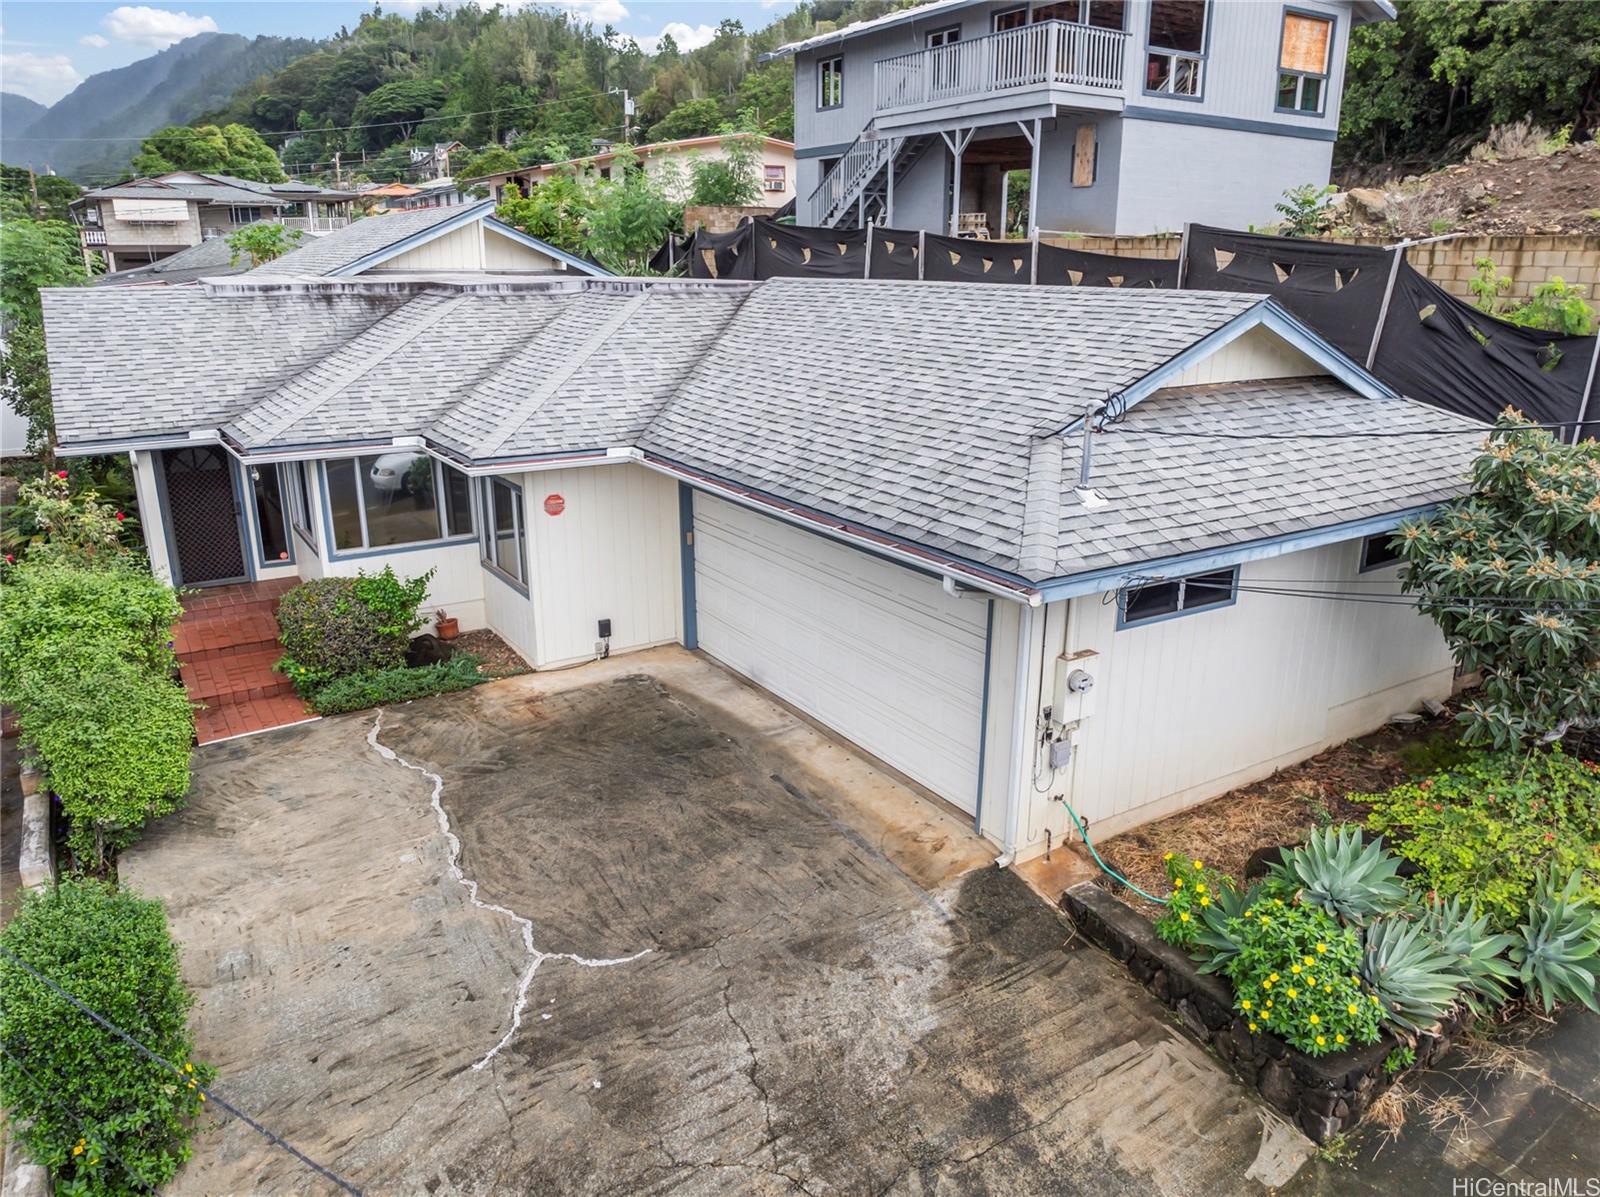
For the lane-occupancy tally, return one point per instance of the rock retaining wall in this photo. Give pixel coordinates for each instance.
(1323, 1095)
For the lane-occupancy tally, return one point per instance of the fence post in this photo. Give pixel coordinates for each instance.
(922, 252)
(1383, 309)
(1588, 391)
(1033, 269)
(1183, 257)
(866, 267)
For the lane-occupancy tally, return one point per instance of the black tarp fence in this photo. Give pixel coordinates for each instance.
(1431, 345)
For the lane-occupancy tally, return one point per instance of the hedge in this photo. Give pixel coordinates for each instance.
(105, 1119)
(400, 684)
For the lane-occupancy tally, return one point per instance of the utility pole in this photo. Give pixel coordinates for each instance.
(338, 174)
(627, 113)
(33, 186)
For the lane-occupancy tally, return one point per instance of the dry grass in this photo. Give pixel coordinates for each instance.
(1519, 139)
(1280, 809)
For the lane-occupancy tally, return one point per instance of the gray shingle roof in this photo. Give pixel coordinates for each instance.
(208, 193)
(931, 412)
(911, 407)
(212, 258)
(159, 361)
(362, 237)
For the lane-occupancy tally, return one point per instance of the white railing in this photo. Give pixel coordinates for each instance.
(1051, 53)
(94, 236)
(855, 166)
(314, 224)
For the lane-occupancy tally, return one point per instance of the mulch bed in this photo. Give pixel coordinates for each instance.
(496, 657)
(1280, 809)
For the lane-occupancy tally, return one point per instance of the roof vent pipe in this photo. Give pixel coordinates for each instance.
(1087, 495)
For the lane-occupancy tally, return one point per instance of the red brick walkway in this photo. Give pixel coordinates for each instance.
(226, 642)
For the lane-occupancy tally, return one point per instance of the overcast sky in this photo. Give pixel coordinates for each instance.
(48, 48)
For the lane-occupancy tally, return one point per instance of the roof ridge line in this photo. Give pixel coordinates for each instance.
(1041, 506)
(555, 381)
(346, 377)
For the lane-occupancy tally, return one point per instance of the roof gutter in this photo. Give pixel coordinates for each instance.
(950, 570)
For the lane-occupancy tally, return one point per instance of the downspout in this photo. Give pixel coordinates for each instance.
(1021, 738)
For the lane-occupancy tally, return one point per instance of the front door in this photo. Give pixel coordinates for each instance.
(203, 513)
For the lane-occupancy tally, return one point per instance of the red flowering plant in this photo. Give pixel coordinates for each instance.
(52, 522)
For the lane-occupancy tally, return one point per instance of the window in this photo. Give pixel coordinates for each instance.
(1303, 62)
(944, 37)
(774, 177)
(1176, 48)
(1161, 600)
(300, 509)
(1376, 553)
(1012, 18)
(272, 528)
(503, 533)
(830, 83)
(91, 215)
(237, 215)
(386, 500)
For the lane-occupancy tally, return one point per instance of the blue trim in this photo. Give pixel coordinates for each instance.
(486, 530)
(288, 519)
(1367, 543)
(337, 554)
(691, 613)
(411, 547)
(1124, 623)
(983, 717)
(1327, 73)
(1093, 582)
(1176, 116)
(1204, 56)
(241, 517)
(592, 269)
(467, 214)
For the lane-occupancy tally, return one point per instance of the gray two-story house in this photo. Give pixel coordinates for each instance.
(1133, 116)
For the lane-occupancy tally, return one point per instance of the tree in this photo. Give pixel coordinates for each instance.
(262, 242)
(730, 179)
(694, 118)
(630, 219)
(54, 193)
(397, 108)
(491, 161)
(556, 211)
(1511, 574)
(34, 254)
(231, 150)
(25, 385)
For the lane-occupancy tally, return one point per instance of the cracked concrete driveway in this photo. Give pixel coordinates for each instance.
(824, 987)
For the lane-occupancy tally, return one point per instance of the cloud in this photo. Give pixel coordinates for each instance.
(42, 77)
(95, 40)
(155, 27)
(687, 38)
(598, 12)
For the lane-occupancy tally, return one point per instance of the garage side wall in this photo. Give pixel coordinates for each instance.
(1190, 707)
(607, 550)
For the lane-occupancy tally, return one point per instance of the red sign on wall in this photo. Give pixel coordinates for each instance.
(554, 504)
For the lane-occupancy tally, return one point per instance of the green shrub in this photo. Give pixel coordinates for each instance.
(1195, 889)
(105, 1119)
(337, 627)
(1483, 830)
(1415, 981)
(85, 659)
(1297, 975)
(382, 687)
(1556, 950)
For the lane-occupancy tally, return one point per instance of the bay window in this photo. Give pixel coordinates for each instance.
(385, 500)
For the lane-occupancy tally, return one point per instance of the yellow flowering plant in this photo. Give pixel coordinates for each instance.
(1195, 891)
(1296, 974)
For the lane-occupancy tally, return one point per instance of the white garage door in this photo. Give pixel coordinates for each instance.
(877, 652)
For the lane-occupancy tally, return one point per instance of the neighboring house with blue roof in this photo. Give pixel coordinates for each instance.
(1019, 544)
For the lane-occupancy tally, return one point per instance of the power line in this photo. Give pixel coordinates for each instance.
(277, 1140)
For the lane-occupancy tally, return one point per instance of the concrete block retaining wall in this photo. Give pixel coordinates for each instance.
(1528, 260)
(1324, 1096)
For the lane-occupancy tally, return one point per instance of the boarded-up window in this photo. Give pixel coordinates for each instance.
(1305, 44)
(1083, 153)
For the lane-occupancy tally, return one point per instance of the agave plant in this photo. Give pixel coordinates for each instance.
(1415, 981)
(1463, 934)
(1333, 869)
(1214, 936)
(1556, 948)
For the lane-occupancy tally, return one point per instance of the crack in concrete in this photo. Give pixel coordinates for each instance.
(679, 1165)
(536, 956)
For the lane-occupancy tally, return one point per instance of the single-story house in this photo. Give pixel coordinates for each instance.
(427, 241)
(1025, 546)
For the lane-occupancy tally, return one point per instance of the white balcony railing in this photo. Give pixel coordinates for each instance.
(94, 236)
(1049, 54)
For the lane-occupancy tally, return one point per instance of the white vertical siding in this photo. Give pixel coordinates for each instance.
(458, 250)
(502, 253)
(457, 585)
(152, 519)
(1258, 353)
(612, 554)
(1188, 708)
(510, 613)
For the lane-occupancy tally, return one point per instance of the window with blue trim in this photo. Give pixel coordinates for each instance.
(272, 526)
(300, 508)
(1177, 596)
(1304, 53)
(386, 500)
(1175, 50)
(503, 542)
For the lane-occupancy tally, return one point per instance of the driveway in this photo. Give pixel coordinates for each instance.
(716, 953)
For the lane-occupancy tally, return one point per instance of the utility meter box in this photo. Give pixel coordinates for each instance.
(1076, 680)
